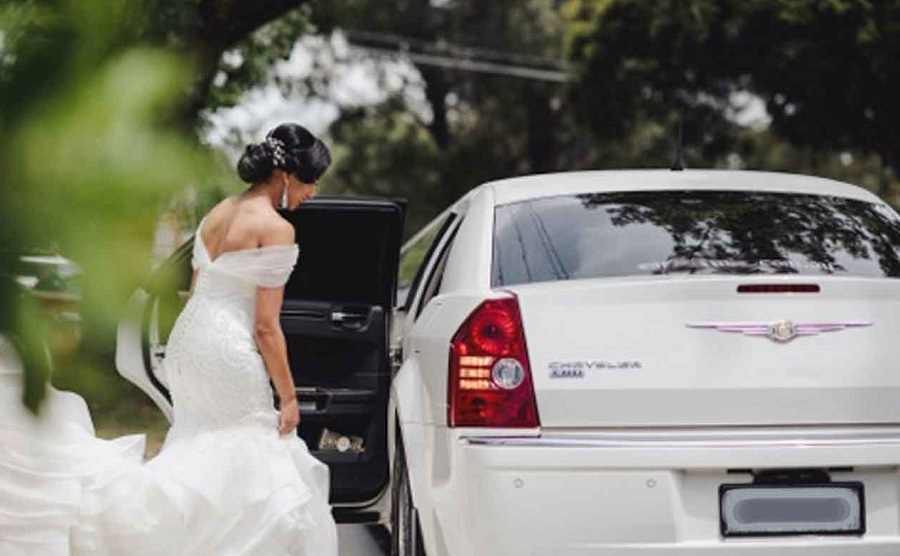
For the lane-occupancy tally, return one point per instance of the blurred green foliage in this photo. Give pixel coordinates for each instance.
(88, 155)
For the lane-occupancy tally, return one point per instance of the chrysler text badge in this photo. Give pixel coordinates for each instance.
(781, 331)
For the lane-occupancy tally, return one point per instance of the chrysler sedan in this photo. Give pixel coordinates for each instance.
(640, 362)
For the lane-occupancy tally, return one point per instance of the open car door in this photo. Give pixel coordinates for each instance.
(142, 334)
(336, 320)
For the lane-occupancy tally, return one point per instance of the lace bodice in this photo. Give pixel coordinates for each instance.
(216, 374)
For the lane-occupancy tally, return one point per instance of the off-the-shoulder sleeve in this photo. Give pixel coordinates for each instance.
(199, 258)
(270, 267)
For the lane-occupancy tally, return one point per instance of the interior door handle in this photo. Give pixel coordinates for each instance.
(311, 399)
(158, 351)
(340, 316)
(348, 320)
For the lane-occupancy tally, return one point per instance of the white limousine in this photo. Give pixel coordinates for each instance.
(633, 362)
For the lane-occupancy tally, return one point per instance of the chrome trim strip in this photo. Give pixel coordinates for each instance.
(705, 439)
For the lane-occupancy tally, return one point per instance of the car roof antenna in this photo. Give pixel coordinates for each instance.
(678, 163)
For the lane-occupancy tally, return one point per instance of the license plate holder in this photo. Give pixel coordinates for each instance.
(765, 510)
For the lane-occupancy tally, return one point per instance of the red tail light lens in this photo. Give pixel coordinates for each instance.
(490, 378)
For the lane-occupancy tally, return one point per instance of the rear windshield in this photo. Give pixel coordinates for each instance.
(692, 232)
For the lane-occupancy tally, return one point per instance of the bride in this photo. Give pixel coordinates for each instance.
(232, 476)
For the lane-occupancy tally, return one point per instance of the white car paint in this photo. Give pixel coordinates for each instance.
(620, 464)
(606, 474)
(130, 355)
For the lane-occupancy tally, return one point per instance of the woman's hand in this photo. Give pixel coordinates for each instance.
(289, 416)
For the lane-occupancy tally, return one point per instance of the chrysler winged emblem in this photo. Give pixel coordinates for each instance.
(781, 331)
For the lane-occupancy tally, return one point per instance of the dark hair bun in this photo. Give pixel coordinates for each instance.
(290, 147)
(307, 156)
(256, 164)
(312, 162)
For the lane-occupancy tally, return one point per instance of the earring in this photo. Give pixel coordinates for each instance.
(284, 196)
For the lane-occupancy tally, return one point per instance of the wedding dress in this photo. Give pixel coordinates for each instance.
(225, 481)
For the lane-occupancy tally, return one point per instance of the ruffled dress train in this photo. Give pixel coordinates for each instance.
(225, 481)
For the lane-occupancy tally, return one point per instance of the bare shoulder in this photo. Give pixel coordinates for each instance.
(247, 224)
(276, 231)
(215, 220)
(221, 212)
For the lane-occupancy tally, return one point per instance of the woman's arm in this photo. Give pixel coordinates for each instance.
(270, 340)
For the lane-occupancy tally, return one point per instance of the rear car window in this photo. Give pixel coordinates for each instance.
(414, 257)
(692, 232)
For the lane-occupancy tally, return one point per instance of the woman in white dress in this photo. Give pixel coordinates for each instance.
(232, 477)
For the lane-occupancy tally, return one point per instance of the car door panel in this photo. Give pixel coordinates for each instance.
(133, 353)
(143, 332)
(336, 321)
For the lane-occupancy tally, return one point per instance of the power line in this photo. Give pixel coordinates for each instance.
(458, 51)
(467, 64)
(464, 58)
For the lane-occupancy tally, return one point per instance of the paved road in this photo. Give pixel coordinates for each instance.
(363, 540)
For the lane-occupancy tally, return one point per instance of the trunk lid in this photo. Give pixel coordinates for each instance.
(610, 353)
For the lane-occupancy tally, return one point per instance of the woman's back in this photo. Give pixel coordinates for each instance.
(237, 224)
(216, 374)
(238, 240)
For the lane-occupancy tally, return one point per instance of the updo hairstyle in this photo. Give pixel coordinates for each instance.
(290, 147)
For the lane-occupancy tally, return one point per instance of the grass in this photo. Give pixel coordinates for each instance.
(117, 407)
(132, 413)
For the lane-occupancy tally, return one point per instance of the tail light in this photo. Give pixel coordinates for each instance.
(490, 378)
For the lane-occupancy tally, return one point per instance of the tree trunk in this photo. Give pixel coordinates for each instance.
(885, 177)
(542, 148)
(220, 25)
(436, 90)
(206, 56)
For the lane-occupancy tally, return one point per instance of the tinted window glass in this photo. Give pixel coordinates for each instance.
(434, 280)
(346, 255)
(692, 232)
(414, 257)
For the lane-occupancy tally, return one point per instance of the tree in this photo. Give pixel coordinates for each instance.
(199, 31)
(479, 126)
(222, 25)
(87, 154)
(823, 68)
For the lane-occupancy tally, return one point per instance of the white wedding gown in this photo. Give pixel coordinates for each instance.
(225, 481)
